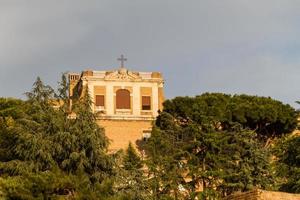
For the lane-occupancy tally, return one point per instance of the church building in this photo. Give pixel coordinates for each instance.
(125, 102)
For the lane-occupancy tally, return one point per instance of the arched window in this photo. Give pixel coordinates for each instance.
(123, 99)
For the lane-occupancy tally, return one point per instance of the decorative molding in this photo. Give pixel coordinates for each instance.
(122, 75)
(123, 111)
(124, 117)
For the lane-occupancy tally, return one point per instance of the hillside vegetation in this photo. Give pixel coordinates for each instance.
(204, 147)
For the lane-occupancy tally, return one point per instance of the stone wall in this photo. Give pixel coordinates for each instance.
(263, 195)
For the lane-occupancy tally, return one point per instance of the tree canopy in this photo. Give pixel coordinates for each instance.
(287, 152)
(266, 116)
(207, 146)
(45, 145)
(183, 155)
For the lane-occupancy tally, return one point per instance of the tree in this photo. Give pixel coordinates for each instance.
(165, 164)
(132, 160)
(11, 108)
(287, 151)
(267, 117)
(46, 145)
(130, 179)
(190, 146)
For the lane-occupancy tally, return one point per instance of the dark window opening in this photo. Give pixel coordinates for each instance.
(100, 100)
(146, 103)
(123, 99)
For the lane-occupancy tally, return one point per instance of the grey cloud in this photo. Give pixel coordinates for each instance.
(234, 46)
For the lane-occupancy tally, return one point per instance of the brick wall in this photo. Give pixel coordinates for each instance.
(263, 195)
(278, 196)
(121, 132)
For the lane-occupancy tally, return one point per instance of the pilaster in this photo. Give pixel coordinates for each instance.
(91, 94)
(110, 99)
(136, 100)
(155, 100)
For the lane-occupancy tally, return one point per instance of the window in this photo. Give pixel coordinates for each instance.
(146, 103)
(146, 135)
(123, 99)
(99, 103)
(100, 100)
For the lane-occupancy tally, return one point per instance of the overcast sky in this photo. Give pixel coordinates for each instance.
(230, 46)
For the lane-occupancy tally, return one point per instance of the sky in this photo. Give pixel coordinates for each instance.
(229, 46)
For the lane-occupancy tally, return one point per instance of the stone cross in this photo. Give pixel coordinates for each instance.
(122, 59)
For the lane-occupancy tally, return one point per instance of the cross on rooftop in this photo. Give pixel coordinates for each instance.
(122, 59)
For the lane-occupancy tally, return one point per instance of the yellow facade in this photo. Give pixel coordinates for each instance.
(121, 132)
(133, 122)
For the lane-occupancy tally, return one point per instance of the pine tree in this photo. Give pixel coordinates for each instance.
(182, 148)
(132, 160)
(287, 151)
(46, 145)
(130, 179)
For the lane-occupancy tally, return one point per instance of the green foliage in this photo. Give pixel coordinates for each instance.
(11, 108)
(45, 140)
(132, 160)
(268, 117)
(287, 151)
(55, 185)
(51, 151)
(41, 185)
(130, 178)
(196, 142)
